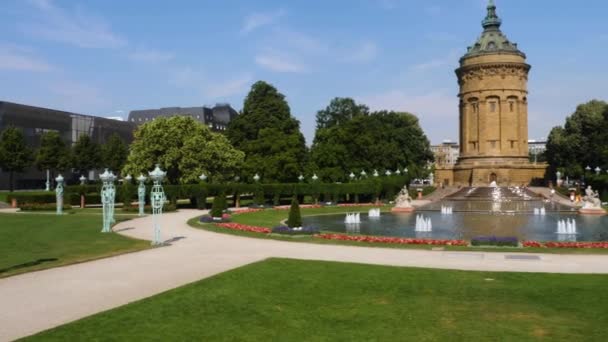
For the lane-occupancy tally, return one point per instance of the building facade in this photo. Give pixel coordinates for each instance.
(34, 121)
(217, 117)
(493, 80)
(446, 153)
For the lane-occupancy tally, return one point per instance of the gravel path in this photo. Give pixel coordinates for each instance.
(37, 301)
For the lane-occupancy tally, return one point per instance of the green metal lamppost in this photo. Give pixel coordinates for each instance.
(108, 194)
(59, 194)
(141, 193)
(157, 200)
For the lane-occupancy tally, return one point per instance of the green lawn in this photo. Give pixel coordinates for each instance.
(289, 300)
(270, 218)
(36, 241)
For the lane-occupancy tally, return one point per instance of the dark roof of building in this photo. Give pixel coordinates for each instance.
(492, 40)
(7, 105)
(219, 113)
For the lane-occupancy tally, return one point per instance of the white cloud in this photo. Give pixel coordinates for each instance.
(277, 62)
(150, 56)
(365, 52)
(231, 87)
(258, 19)
(71, 27)
(18, 61)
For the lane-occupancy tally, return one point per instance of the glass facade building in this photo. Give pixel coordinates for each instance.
(216, 118)
(34, 121)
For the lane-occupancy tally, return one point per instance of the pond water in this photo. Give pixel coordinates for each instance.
(505, 212)
(465, 225)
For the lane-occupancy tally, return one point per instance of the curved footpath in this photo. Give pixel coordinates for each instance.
(36, 301)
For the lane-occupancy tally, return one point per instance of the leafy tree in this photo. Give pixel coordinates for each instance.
(86, 154)
(53, 153)
(270, 137)
(295, 217)
(114, 153)
(380, 140)
(15, 156)
(184, 148)
(581, 141)
(340, 110)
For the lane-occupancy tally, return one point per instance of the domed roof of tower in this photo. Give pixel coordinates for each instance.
(492, 40)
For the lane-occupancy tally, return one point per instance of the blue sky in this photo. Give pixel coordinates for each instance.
(107, 57)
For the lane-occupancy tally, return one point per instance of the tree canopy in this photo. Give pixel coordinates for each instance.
(270, 137)
(15, 156)
(382, 140)
(185, 148)
(114, 153)
(581, 142)
(86, 154)
(340, 110)
(53, 153)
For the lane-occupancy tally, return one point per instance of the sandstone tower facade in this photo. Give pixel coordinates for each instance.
(493, 80)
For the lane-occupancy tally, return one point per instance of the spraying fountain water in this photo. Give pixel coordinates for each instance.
(374, 212)
(352, 218)
(567, 226)
(423, 224)
(540, 211)
(445, 210)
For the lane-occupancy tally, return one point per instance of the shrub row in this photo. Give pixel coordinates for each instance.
(42, 207)
(384, 188)
(495, 241)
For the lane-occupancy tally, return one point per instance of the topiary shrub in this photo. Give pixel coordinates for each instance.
(219, 204)
(295, 218)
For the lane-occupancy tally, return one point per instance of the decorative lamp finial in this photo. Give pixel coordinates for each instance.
(491, 21)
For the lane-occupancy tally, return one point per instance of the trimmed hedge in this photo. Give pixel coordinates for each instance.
(42, 207)
(498, 241)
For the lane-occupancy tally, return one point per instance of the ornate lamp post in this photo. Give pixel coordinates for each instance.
(256, 177)
(598, 170)
(376, 173)
(48, 182)
(398, 172)
(388, 173)
(405, 170)
(59, 194)
(202, 177)
(301, 177)
(157, 199)
(314, 177)
(82, 179)
(351, 176)
(141, 193)
(108, 194)
(363, 174)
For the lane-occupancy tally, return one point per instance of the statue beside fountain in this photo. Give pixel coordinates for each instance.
(592, 205)
(403, 202)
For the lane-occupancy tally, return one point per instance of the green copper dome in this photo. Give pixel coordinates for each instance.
(492, 40)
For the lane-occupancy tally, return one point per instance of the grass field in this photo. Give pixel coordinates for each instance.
(288, 300)
(270, 218)
(37, 241)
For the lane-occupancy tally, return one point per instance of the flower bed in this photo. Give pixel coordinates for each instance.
(245, 211)
(302, 206)
(551, 244)
(244, 227)
(360, 205)
(392, 240)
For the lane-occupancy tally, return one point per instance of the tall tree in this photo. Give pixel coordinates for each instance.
(581, 141)
(381, 140)
(184, 148)
(53, 153)
(86, 154)
(340, 110)
(270, 137)
(114, 153)
(15, 156)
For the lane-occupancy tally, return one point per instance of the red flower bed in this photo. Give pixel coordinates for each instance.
(302, 206)
(245, 211)
(244, 227)
(550, 244)
(392, 240)
(360, 205)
